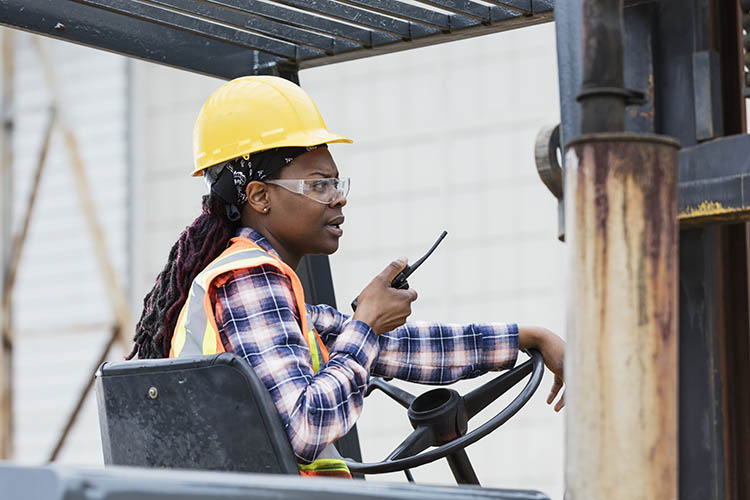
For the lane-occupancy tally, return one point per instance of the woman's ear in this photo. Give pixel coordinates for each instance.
(257, 196)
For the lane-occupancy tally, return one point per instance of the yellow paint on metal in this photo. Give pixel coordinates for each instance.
(709, 209)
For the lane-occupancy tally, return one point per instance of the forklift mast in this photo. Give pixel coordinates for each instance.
(686, 60)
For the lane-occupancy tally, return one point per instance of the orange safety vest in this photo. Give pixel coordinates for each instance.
(196, 332)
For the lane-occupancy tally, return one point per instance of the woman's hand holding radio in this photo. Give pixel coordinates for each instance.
(382, 307)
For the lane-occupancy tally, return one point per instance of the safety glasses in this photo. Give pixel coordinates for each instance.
(321, 190)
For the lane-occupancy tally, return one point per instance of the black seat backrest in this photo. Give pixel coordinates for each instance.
(208, 412)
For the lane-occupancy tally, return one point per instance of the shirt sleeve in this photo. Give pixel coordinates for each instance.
(429, 352)
(258, 319)
(438, 353)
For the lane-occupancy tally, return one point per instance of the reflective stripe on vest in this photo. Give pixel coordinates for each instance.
(196, 332)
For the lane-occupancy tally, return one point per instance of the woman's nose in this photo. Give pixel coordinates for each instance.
(340, 200)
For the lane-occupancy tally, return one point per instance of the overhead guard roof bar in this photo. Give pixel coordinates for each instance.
(229, 38)
(367, 18)
(157, 14)
(413, 13)
(308, 21)
(246, 20)
(474, 10)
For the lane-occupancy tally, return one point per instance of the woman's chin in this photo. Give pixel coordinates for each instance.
(329, 246)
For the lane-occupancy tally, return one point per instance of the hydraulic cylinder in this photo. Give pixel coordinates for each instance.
(621, 361)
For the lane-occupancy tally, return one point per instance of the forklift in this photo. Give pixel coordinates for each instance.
(651, 169)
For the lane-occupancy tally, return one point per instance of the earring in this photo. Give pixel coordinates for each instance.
(265, 210)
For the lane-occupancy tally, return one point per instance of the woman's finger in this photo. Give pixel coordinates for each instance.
(392, 270)
(561, 403)
(412, 295)
(556, 386)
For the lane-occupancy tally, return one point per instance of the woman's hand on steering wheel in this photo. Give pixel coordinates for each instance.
(552, 349)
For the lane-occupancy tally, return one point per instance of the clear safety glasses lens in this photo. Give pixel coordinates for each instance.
(321, 190)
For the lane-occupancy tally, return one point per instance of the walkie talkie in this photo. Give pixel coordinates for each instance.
(400, 280)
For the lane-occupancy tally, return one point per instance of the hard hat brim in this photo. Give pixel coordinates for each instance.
(309, 138)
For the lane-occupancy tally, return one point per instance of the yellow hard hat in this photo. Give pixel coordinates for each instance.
(254, 113)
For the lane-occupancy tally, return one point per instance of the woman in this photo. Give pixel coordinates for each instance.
(229, 284)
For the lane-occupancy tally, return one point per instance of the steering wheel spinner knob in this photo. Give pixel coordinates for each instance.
(443, 411)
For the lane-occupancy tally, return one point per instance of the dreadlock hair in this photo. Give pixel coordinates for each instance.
(199, 244)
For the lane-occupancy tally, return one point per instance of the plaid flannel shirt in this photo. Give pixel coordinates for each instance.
(258, 319)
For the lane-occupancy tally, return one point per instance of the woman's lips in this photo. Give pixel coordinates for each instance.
(334, 226)
(335, 230)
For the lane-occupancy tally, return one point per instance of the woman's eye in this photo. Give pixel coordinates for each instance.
(320, 186)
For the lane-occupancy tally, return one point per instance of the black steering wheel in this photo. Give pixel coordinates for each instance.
(440, 418)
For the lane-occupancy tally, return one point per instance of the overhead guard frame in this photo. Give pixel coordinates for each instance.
(231, 38)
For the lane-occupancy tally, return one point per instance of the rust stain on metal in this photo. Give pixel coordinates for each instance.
(650, 91)
(601, 200)
(650, 102)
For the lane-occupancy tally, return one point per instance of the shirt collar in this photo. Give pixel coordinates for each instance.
(257, 238)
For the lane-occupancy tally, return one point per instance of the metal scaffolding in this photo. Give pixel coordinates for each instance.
(56, 123)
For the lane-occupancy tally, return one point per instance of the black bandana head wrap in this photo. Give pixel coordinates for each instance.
(228, 180)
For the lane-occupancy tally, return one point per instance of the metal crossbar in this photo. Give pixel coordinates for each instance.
(475, 10)
(153, 12)
(413, 13)
(308, 21)
(246, 20)
(229, 38)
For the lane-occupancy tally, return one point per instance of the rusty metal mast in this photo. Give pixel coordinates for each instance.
(621, 225)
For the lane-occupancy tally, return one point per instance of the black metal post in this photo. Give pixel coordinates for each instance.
(707, 275)
(603, 95)
(462, 469)
(701, 460)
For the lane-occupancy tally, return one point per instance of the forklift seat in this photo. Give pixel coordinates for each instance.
(207, 412)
